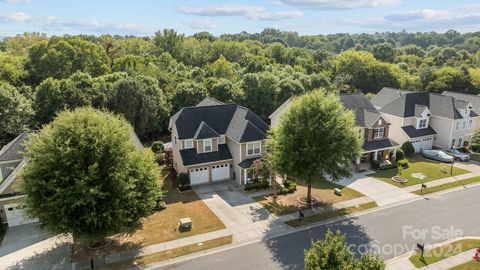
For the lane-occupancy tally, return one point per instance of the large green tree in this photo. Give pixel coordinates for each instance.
(85, 176)
(15, 112)
(260, 93)
(332, 253)
(316, 139)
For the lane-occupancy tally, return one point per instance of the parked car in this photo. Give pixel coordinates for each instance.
(437, 155)
(457, 154)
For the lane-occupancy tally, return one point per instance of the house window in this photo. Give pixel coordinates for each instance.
(188, 144)
(453, 143)
(470, 123)
(221, 139)
(379, 121)
(207, 145)
(378, 133)
(175, 139)
(253, 148)
(457, 125)
(423, 123)
(460, 141)
(464, 124)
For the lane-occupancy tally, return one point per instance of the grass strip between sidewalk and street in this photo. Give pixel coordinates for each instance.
(450, 185)
(439, 253)
(331, 214)
(471, 265)
(169, 254)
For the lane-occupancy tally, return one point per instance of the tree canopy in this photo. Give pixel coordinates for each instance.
(85, 176)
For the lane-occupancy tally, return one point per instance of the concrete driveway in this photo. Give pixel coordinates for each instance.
(30, 247)
(246, 219)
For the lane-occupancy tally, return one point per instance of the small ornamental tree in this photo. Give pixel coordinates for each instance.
(157, 147)
(333, 253)
(85, 176)
(316, 138)
(408, 148)
(183, 179)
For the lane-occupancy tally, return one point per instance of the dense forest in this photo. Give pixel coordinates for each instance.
(147, 79)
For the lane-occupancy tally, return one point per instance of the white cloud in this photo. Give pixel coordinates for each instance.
(62, 24)
(201, 24)
(15, 1)
(340, 4)
(250, 12)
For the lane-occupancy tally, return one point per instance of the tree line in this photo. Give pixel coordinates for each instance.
(146, 79)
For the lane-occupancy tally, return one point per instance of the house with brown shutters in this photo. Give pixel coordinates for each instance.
(214, 141)
(373, 128)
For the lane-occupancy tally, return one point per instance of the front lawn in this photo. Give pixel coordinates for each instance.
(439, 253)
(450, 185)
(162, 226)
(419, 170)
(331, 214)
(471, 265)
(321, 189)
(475, 157)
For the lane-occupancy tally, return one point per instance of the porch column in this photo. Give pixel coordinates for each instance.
(244, 176)
(357, 164)
(394, 155)
(375, 153)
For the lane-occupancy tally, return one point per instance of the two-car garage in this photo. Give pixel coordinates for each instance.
(202, 175)
(420, 144)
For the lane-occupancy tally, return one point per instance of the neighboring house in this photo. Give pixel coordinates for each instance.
(426, 119)
(474, 99)
(12, 201)
(214, 141)
(373, 127)
(12, 206)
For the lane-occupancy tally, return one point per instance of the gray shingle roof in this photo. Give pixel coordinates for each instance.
(378, 144)
(474, 99)
(208, 101)
(412, 132)
(190, 156)
(204, 131)
(405, 104)
(14, 149)
(247, 163)
(365, 113)
(235, 121)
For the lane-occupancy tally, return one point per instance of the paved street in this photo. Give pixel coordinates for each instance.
(459, 209)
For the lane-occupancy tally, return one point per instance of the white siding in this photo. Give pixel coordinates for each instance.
(235, 151)
(443, 127)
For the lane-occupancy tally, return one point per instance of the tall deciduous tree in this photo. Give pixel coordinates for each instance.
(15, 112)
(260, 92)
(333, 254)
(85, 176)
(316, 139)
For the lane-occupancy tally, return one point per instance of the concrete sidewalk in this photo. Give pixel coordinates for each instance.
(402, 262)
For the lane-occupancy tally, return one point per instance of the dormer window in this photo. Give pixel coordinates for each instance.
(188, 144)
(378, 133)
(423, 123)
(207, 145)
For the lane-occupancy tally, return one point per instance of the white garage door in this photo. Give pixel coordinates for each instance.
(199, 176)
(422, 144)
(220, 172)
(16, 215)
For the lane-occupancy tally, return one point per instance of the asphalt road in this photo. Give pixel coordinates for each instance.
(398, 228)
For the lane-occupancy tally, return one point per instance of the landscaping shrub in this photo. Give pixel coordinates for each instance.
(408, 148)
(256, 185)
(403, 163)
(284, 190)
(157, 147)
(289, 186)
(375, 164)
(400, 154)
(475, 147)
(387, 166)
(183, 179)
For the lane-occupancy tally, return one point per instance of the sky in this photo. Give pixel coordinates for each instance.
(144, 17)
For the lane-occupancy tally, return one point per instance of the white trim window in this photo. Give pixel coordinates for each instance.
(464, 124)
(188, 144)
(460, 142)
(378, 133)
(470, 123)
(207, 145)
(221, 140)
(453, 143)
(457, 125)
(422, 123)
(253, 148)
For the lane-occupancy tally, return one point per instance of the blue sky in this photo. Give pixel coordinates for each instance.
(143, 17)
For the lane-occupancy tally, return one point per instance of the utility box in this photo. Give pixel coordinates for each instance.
(185, 224)
(337, 192)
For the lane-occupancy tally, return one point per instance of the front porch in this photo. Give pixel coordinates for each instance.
(384, 151)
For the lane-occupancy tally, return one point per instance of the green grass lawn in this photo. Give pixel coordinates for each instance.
(448, 186)
(322, 189)
(443, 252)
(471, 265)
(418, 167)
(331, 214)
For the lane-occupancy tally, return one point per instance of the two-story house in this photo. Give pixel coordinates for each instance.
(373, 128)
(214, 141)
(426, 119)
(474, 99)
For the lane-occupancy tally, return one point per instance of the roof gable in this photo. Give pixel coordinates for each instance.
(365, 113)
(14, 149)
(204, 131)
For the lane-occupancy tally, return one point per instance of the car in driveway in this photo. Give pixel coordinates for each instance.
(437, 155)
(457, 154)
